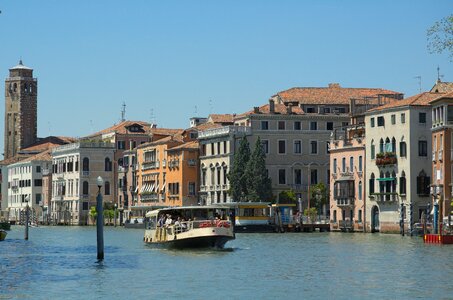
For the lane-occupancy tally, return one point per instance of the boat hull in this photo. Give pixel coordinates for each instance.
(195, 242)
(3, 235)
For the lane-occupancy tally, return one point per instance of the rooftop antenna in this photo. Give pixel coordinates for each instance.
(123, 112)
(91, 126)
(151, 117)
(48, 124)
(439, 77)
(210, 106)
(419, 83)
(196, 111)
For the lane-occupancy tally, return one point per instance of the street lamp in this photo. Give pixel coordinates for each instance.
(114, 215)
(100, 220)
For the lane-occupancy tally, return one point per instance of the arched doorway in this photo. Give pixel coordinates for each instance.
(375, 219)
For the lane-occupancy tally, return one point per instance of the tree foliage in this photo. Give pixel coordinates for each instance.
(236, 176)
(311, 213)
(287, 197)
(318, 195)
(440, 36)
(256, 175)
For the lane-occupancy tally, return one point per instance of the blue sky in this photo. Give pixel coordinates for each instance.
(171, 60)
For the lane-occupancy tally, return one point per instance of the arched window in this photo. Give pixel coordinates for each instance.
(85, 188)
(360, 191)
(351, 164)
(423, 183)
(343, 165)
(120, 161)
(86, 164)
(393, 145)
(381, 145)
(107, 188)
(335, 216)
(371, 184)
(403, 183)
(393, 182)
(15, 87)
(373, 150)
(108, 164)
(25, 88)
(388, 146)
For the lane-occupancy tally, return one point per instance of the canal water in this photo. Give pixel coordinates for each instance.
(60, 263)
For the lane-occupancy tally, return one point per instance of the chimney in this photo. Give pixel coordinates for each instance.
(271, 106)
(289, 109)
(256, 110)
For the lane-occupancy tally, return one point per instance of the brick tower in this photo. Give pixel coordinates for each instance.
(21, 91)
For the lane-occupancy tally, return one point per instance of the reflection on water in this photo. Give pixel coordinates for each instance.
(60, 262)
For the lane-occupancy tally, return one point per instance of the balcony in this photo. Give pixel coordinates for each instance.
(173, 163)
(385, 197)
(192, 162)
(344, 201)
(149, 197)
(386, 159)
(150, 165)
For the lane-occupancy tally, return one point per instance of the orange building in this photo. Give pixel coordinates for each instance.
(166, 173)
(442, 137)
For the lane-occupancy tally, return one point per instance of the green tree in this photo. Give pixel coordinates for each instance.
(258, 182)
(318, 195)
(236, 176)
(109, 215)
(440, 36)
(287, 197)
(93, 213)
(311, 213)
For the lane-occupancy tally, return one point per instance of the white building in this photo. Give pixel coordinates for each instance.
(75, 168)
(398, 162)
(25, 186)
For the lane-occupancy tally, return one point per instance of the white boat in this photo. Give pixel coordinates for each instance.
(191, 227)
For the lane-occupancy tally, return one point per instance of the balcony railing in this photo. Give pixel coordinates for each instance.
(173, 163)
(150, 165)
(344, 201)
(149, 197)
(385, 197)
(386, 158)
(192, 162)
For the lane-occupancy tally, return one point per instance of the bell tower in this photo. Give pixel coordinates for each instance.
(21, 91)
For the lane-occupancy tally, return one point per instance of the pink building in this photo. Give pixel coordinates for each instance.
(347, 180)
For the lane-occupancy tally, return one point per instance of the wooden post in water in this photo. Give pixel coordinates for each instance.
(27, 220)
(100, 220)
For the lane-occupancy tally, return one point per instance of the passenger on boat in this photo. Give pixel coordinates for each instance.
(161, 221)
(169, 221)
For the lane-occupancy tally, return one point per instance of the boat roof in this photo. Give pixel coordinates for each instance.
(155, 212)
(247, 204)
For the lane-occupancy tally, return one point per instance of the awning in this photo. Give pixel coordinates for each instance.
(386, 179)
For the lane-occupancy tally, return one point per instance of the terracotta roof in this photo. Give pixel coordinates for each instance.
(46, 155)
(422, 99)
(206, 126)
(442, 87)
(223, 119)
(48, 143)
(13, 159)
(334, 94)
(166, 131)
(278, 109)
(188, 145)
(171, 138)
(443, 96)
(122, 128)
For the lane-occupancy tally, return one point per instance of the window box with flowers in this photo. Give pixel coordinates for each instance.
(385, 158)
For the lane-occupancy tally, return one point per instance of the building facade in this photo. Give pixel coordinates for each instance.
(442, 155)
(398, 163)
(21, 94)
(75, 169)
(296, 144)
(347, 179)
(25, 187)
(217, 148)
